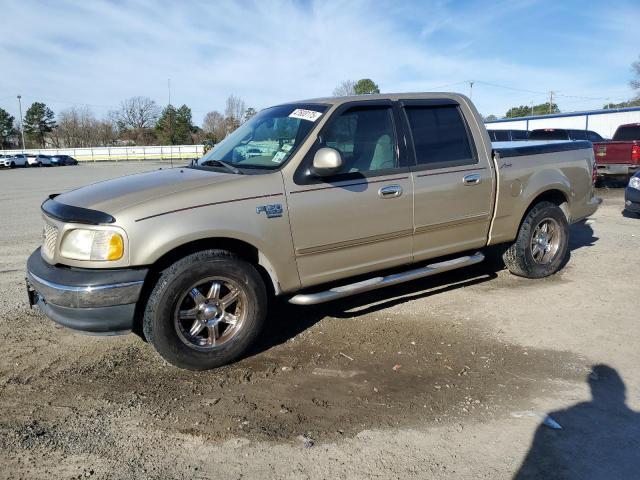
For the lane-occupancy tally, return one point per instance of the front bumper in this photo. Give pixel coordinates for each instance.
(632, 200)
(101, 302)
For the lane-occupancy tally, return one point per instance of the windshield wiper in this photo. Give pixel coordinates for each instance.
(228, 166)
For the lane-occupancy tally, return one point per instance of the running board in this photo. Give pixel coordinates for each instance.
(380, 282)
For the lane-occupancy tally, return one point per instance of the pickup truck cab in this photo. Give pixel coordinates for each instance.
(619, 158)
(311, 200)
(508, 135)
(564, 134)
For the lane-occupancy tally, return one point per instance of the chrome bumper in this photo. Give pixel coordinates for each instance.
(86, 296)
(90, 300)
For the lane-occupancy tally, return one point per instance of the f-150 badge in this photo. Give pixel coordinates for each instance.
(272, 211)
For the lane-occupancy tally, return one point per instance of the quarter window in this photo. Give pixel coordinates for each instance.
(440, 136)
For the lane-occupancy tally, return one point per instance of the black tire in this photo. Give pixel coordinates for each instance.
(13, 165)
(519, 257)
(161, 326)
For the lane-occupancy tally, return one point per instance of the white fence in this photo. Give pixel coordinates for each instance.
(603, 122)
(105, 154)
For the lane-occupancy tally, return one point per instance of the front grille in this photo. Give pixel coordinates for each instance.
(50, 237)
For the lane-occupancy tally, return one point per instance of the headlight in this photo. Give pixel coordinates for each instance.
(635, 183)
(83, 244)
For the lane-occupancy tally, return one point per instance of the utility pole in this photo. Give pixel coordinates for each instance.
(551, 100)
(21, 121)
(471, 82)
(170, 124)
(532, 108)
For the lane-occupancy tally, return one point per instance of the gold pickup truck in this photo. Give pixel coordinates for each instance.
(311, 200)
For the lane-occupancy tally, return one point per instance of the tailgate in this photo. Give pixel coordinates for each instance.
(613, 152)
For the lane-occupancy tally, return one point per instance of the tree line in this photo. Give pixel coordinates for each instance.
(137, 121)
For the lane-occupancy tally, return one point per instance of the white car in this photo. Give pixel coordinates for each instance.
(13, 161)
(39, 160)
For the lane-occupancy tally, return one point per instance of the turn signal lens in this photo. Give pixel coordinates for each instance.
(116, 247)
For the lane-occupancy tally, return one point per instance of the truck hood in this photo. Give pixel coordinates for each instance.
(112, 196)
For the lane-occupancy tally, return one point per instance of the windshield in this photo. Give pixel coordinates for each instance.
(267, 140)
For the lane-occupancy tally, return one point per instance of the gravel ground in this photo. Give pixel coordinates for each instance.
(449, 377)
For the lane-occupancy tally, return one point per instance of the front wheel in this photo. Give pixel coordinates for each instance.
(542, 243)
(206, 310)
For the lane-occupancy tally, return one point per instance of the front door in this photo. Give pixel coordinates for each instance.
(452, 179)
(361, 219)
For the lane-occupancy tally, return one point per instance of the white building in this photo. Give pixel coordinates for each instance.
(603, 122)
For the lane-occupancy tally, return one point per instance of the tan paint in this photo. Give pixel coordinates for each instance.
(330, 231)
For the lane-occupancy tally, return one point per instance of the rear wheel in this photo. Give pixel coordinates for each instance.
(542, 243)
(206, 310)
(13, 165)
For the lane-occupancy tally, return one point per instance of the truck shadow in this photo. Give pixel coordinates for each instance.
(286, 321)
(598, 439)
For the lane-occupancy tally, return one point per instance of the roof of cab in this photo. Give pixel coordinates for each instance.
(382, 96)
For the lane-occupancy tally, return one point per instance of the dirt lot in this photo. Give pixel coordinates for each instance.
(450, 377)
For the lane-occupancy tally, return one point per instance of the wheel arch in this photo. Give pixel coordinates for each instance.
(241, 248)
(553, 195)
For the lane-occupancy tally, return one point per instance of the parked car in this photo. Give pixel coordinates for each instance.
(564, 134)
(189, 256)
(62, 160)
(619, 158)
(632, 195)
(39, 160)
(13, 161)
(508, 135)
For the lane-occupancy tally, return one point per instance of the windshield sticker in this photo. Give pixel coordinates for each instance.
(303, 114)
(277, 158)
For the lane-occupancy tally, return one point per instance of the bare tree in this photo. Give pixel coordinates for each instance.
(214, 125)
(78, 127)
(346, 88)
(233, 112)
(136, 113)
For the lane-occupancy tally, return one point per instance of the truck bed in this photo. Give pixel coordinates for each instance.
(516, 149)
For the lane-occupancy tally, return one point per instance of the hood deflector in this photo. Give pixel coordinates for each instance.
(69, 213)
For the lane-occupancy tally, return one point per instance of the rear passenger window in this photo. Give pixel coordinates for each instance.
(578, 134)
(440, 136)
(501, 135)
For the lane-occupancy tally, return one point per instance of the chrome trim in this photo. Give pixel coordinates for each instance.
(472, 179)
(86, 296)
(380, 282)
(390, 191)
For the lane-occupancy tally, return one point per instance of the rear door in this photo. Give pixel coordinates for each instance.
(360, 219)
(453, 182)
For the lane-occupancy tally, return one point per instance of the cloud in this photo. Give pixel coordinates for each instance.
(101, 52)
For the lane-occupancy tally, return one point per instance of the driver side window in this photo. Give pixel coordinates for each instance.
(365, 138)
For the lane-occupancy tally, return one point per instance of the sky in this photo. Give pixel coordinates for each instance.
(97, 53)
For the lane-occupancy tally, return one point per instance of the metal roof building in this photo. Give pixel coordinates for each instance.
(604, 122)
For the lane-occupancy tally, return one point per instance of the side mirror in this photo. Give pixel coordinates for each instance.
(326, 162)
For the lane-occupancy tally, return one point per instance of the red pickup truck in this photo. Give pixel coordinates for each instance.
(619, 158)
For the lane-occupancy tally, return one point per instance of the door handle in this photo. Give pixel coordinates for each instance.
(390, 191)
(473, 179)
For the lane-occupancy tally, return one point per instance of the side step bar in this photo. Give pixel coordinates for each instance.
(380, 282)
